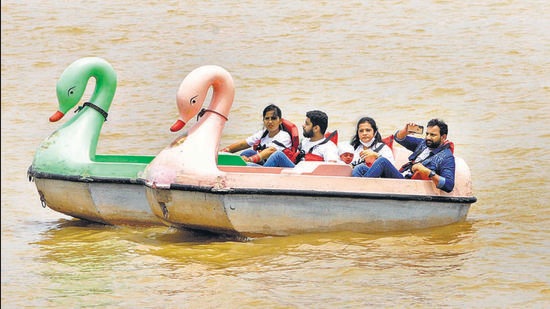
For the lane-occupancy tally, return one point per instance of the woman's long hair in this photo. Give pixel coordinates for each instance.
(356, 141)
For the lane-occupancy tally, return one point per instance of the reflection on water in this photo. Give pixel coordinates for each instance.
(80, 259)
(90, 246)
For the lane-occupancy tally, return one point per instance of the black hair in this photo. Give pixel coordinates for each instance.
(276, 110)
(443, 129)
(318, 118)
(356, 141)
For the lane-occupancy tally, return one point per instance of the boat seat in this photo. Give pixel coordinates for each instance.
(400, 155)
(318, 168)
(331, 170)
(250, 169)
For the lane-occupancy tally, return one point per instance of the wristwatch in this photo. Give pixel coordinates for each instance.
(432, 174)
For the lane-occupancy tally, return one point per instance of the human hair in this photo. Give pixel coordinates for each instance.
(443, 129)
(356, 141)
(318, 118)
(276, 110)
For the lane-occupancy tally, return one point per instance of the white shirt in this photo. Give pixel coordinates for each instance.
(385, 152)
(282, 137)
(328, 150)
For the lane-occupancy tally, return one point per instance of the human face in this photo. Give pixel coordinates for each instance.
(433, 137)
(347, 157)
(307, 127)
(365, 132)
(272, 122)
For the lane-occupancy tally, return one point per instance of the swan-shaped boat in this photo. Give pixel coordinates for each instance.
(69, 176)
(187, 189)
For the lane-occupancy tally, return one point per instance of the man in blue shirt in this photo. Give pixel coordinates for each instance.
(432, 158)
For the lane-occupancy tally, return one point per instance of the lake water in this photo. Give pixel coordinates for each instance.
(484, 67)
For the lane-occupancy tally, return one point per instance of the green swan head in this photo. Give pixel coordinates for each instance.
(73, 81)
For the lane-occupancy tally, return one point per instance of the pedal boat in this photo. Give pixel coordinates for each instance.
(187, 189)
(69, 176)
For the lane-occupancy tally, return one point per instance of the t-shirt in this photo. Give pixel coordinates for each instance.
(385, 152)
(282, 137)
(328, 150)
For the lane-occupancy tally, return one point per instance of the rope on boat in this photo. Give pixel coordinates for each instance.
(93, 106)
(204, 110)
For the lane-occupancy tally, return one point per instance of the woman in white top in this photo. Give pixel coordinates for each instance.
(367, 143)
(265, 141)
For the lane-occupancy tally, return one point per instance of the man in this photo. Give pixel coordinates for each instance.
(314, 145)
(431, 158)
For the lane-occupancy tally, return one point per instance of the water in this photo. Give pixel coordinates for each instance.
(483, 67)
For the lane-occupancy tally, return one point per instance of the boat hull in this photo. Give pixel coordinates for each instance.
(286, 212)
(106, 191)
(106, 202)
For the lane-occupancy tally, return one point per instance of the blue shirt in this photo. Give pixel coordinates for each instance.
(441, 160)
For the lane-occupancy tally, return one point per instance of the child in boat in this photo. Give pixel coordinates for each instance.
(346, 152)
(264, 142)
(367, 143)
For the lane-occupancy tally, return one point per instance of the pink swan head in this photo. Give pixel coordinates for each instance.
(193, 91)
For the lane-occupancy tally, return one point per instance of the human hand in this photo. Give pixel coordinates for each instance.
(367, 153)
(418, 167)
(405, 130)
(415, 129)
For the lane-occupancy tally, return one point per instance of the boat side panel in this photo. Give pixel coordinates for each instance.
(190, 209)
(280, 214)
(123, 204)
(286, 215)
(71, 198)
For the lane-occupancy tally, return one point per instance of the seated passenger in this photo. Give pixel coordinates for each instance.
(432, 158)
(368, 143)
(345, 151)
(314, 147)
(264, 142)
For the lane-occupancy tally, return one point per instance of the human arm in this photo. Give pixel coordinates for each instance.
(401, 134)
(405, 140)
(444, 177)
(260, 156)
(237, 146)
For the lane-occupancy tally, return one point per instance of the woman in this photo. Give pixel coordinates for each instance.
(367, 144)
(266, 141)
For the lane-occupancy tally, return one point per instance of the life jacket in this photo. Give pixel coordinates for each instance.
(388, 140)
(309, 156)
(420, 176)
(291, 129)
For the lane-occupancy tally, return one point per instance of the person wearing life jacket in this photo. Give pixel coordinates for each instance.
(432, 158)
(314, 147)
(367, 143)
(264, 142)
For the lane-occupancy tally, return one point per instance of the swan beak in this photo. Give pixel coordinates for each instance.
(177, 126)
(55, 117)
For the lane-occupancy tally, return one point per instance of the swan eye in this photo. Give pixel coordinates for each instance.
(70, 92)
(193, 100)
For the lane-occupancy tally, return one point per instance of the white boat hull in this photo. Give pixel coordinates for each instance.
(276, 212)
(102, 202)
